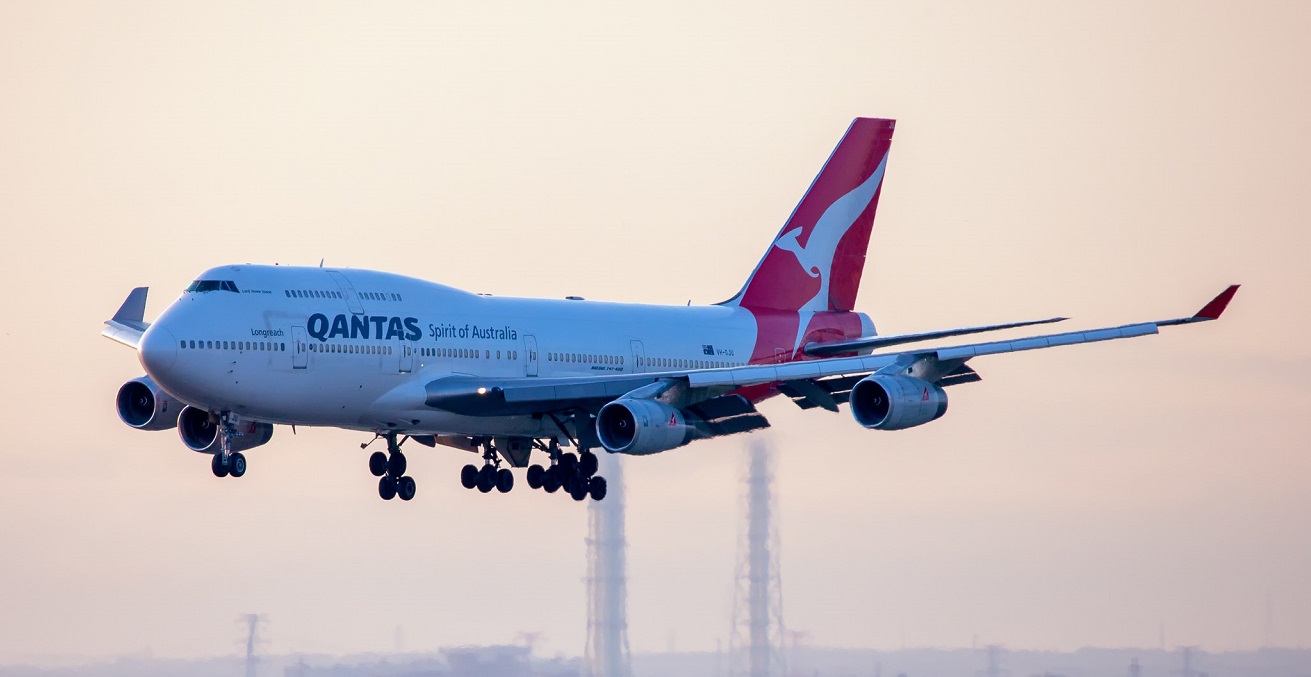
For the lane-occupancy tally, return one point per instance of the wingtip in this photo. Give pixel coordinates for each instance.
(1216, 307)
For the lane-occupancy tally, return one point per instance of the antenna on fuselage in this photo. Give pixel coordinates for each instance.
(321, 262)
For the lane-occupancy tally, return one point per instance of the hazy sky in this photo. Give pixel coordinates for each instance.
(1111, 161)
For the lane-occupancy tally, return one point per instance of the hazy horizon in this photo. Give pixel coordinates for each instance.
(1112, 162)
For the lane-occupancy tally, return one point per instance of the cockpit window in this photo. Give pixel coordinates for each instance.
(212, 285)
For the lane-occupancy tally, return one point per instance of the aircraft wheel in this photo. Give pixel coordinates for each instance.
(579, 492)
(588, 463)
(504, 480)
(405, 488)
(486, 479)
(568, 462)
(217, 465)
(378, 464)
(535, 475)
(396, 464)
(596, 487)
(551, 479)
(387, 488)
(237, 465)
(469, 476)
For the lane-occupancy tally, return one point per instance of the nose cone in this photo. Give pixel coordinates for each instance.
(158, 350)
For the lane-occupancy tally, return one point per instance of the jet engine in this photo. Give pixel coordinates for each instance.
(886, 402)
(200, 432)
(145, 406)
(640, 427)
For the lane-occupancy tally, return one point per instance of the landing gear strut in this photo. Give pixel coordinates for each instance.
(389, 468)
(226, 461)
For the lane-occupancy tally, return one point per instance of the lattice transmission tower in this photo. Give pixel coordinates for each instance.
(756, 641)
(607, 653)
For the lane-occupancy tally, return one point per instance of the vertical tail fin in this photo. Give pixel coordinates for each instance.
(815, 262)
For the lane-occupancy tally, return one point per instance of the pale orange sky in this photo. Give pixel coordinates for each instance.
(1113, 162)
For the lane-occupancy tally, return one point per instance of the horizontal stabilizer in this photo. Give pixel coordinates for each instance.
(128, 323)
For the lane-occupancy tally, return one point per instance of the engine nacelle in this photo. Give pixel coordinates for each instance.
(885, 402)
(145, 406)
(200, 432)
(640, 427)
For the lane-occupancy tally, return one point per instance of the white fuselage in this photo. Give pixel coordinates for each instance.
(354, 348)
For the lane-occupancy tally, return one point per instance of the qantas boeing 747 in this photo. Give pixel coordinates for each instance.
(247, 347)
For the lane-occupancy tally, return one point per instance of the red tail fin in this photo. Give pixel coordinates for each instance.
(815, 262)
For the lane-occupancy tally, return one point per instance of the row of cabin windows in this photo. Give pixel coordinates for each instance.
(466, 353)
(267, 346)
(311, 294)
(350, 349)
(585, 357)
(321, 294)
(678, 363)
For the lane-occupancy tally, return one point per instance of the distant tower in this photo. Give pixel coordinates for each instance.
(994, 660)
(1187, 655)
(756, 643)
(607, 652)
(252, 622)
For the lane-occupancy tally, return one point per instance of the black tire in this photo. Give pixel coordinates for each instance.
(216, 465)
(535, 475)
(405, 488)
(237, 464)
(596, 487)
(579, 492)
(486, 479)
(387, 488)
(504, 480)
(469, 476)
(588, 463)
(378, 464)
(551, 479)
(396, 464)
(569, 462)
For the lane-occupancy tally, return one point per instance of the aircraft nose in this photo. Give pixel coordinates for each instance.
(158, 350)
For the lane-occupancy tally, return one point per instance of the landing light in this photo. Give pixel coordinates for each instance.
(482, 391)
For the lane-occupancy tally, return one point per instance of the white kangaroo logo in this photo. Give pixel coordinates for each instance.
(816, 257)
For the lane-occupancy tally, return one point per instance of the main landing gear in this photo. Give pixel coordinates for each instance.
(490, 476)
(226, 461)
(575, 474)
(389, 468)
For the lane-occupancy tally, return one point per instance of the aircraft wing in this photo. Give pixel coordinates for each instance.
(128, 324)
(825, 348)
(811, 383)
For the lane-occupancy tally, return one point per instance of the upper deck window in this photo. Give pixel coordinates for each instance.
(212, 285)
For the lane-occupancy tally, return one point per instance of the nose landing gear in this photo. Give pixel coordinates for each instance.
(226, 461)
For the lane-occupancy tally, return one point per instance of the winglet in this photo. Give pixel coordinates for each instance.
(1212, 310)
(133, 309)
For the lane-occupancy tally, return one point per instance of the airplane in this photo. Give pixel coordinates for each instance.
(248, 347)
